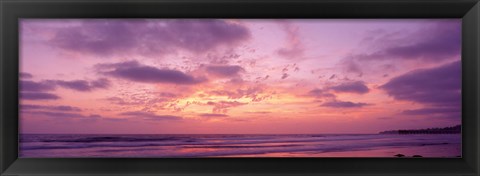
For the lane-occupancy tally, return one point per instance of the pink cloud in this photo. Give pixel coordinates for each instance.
(149, 116)
(294, 47)
(224, 106)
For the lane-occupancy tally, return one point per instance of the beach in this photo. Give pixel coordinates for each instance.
(244, 145)
(432, 151)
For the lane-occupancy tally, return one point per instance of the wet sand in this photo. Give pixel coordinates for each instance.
(429, 151)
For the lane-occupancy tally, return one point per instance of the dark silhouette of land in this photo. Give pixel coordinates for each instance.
(447, 130)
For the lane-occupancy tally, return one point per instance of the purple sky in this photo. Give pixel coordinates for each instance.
(238, 76)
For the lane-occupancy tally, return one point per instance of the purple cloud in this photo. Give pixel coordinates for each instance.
(55, 108)
(149, 116)
(126, 64)
(49, 85)
(110, 36)
(352, 66)
(32, 86)
(442, 42)
(102, 83)
(106, 37)
(326, 94)
(332, 77)
(134, 71)
(252, 93)
(224, 106)
(119, 101)
(358, 87)
(319, 93)
(430, 111)
(82, 85)
(38, 96)
(259, 112)
(294, 47)
(344, 104)
(438, 42)
(25, 75)
(56, 114)
(225, 70)
(167, 95)
(453, 113)
(67, 115)
(213, 115)
(439, 86)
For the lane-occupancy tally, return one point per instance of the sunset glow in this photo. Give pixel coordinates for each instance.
(238, 76)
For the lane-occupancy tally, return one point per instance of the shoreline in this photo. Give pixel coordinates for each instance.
(320, 146)
(449, 151)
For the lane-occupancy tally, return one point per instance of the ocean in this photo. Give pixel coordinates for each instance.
(233, 145)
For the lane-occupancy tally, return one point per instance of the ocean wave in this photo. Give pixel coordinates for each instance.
(115, 139)
(216, 145)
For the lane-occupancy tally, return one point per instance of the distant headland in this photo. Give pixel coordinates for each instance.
(446, 130)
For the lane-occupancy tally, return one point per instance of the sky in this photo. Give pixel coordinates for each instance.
(238, 76)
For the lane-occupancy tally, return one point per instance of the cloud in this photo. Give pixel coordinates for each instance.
(285, 75)
(332, 77)
(82, 85)
(319, 93)
(149, 116)
(56, 114)
(344, 104)
(107, 37)
(38, 96)
(25, 75)
(294, 47)
(326, 94)
(453, 113)
(32, 86)
(224, 106)
(259, 112)
(119, 101)
(49, 85)
(100, 83)
(252, 92)
(55, 108)
(442, 42)
(31, 90)
(64, 115)
(330, 99)
(126, 64)
(68, 115)
(437, 42)
(167, 95)
(148, 102)
(224, 70)
(213, 115)
(358, 87)
(432, 111)
(134, 71)
(439, 86)
(351, 66)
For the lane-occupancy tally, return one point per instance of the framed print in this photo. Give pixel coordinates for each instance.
(224, 87)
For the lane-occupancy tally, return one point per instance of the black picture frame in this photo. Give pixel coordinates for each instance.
(13, 10)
